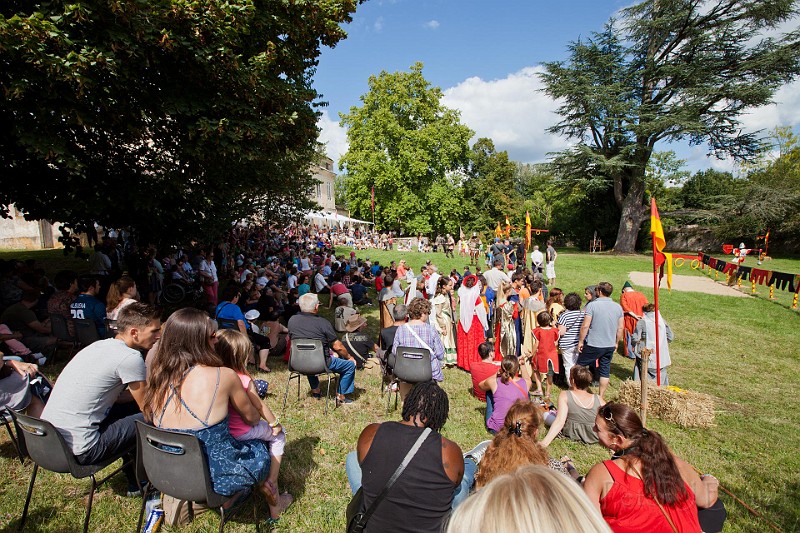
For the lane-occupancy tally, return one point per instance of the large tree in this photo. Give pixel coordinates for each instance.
(411, 149)
(171, 118)
(489, 188)
(667, 70)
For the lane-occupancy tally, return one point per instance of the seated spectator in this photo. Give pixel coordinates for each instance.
(400, 315)
(644, 486)
(577, 409)
(506, 388)
(338, 292)
(481, 370)
(422, 497)
(342, 314)
(303, 286)
(66, 282)
(359, 292)
(533, 499)
(121, 293)
(230, 312)
(418, 333)
(15, 388)
(36, 335)
(277, 333)
(357, 342)
(321, 284)
(87, 306)
(515, 445)
(98, 396)
(15, 349)
(186, 383)
(308, 325)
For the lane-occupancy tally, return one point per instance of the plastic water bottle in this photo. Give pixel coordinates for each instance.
(155, 515)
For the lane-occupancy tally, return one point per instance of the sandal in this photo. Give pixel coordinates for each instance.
(265, 370)
(284, 501)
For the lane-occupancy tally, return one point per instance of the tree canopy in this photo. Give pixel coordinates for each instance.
(667, 70)
(411, 149)
(171, 118)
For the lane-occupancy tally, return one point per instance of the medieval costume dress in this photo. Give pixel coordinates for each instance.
(472, 322)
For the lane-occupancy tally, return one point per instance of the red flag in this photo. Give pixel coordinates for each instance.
(373, 198)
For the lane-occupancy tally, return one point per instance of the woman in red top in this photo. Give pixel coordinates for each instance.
(644, 487)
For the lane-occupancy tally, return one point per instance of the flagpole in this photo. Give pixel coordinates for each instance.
(655, 298)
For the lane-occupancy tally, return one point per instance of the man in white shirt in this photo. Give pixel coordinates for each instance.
(494, 277)
(537, 258)
(433, 279)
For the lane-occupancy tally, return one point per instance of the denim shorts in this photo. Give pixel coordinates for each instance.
(590, 354)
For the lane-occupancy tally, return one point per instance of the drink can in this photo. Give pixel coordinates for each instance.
(154, 519)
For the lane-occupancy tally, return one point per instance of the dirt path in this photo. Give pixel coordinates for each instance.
(687, 284)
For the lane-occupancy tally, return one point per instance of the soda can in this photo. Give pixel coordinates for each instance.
(154, 519)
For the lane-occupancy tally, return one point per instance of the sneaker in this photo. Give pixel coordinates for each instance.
(476, 453)
(134, 490)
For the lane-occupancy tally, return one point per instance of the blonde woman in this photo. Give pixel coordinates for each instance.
(533, 499)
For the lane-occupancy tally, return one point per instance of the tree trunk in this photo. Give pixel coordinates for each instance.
(631, 218)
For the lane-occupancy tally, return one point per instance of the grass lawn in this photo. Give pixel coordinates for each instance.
(739, 350)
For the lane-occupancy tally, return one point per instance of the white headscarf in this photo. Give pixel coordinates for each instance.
(468, 308)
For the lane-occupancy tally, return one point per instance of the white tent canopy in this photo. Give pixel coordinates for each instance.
(333, 218)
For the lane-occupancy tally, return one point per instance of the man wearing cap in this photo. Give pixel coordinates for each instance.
(308, 325)
(356, 341)
(632, 302)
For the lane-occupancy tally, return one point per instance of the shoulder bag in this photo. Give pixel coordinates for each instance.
(357, 517)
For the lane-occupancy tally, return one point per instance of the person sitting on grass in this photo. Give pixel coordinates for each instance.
(515, 445)
(577, 409)
(234, 348)
(506, 389)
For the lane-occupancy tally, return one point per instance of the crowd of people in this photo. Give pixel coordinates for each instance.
(506, 324)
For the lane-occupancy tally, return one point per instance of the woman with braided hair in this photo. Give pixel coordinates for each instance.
(515, 445)
(646, 487)
(422, 497)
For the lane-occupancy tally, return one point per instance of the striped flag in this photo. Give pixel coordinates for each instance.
(660, 257)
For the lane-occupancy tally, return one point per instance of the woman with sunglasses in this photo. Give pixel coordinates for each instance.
(645, 487)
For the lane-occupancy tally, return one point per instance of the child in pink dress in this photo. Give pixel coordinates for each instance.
(546, 350)
(234, 348)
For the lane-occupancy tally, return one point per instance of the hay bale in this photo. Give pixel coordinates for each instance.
(682, 407)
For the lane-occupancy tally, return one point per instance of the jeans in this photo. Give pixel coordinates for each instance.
(347, 375)
(489, 405)
(117, 432)
(461, 493)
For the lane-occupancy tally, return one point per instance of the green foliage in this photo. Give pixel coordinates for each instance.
(489, 188)
(668, 70)
(411, 149)
(172, 118)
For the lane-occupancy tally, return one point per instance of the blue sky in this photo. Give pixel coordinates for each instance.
(485, 56)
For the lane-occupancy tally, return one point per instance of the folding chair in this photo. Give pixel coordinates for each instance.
(41, 441)
(307, 358)
(86, 331)
(7, 419)
(411, 365)
(61, 332)
(175, 463)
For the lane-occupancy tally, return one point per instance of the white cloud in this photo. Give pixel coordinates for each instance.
(377, 26)
(333, 136)
(432, 24)
(511, 111)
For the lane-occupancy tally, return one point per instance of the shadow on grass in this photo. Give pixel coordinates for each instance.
(302, 452)
(39, 518)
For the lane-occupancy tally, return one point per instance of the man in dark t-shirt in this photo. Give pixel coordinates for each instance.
(308, 325)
